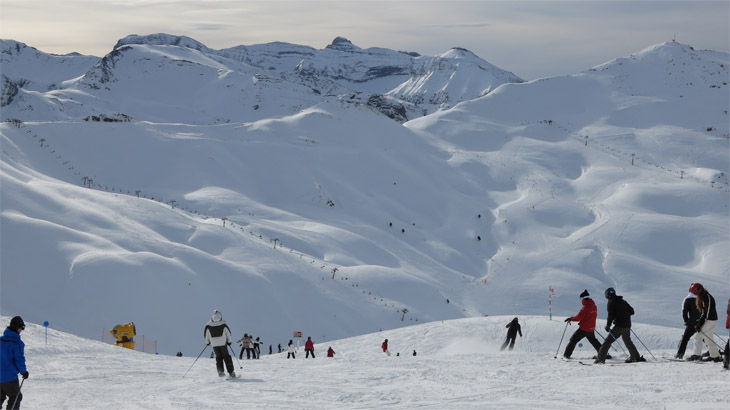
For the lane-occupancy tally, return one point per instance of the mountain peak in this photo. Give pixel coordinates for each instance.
(458, 52)
(162, 39)
(343, 44)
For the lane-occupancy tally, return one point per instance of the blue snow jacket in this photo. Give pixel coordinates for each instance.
(12, 356)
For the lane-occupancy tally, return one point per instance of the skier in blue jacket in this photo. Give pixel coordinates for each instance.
(12, 362)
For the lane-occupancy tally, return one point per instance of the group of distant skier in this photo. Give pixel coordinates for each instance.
(217, 334)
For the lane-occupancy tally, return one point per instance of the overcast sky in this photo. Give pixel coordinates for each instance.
(533, 39)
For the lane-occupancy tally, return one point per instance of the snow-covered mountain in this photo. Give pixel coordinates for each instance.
(149, 189)
(178, 78)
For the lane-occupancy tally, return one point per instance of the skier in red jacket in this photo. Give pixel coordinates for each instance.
(587, 324)
(384, 346)
(330, 352)
(309, 347)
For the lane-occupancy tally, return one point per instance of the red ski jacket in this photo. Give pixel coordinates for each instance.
(587, 316)
(727, 321)
(309, 345)
(384, 346)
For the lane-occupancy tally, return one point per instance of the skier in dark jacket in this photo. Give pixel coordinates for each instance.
(12, 362)
(513, 328)
(257, 348)
(218, 335)
(619, 313)
(587, 325)
(691, 316)
(706, 324)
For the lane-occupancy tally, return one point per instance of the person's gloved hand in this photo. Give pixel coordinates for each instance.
(25, 375)
(608, 328)
(568, 320)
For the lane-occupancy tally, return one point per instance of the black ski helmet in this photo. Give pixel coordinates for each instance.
(16, 324)
(609, 292)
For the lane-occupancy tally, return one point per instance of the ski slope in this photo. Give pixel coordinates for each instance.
(458, 366)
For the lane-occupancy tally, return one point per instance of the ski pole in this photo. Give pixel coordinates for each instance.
(642, 343)
(18, 396)
(234, 356)
(196, 359)
(614, 339)
(721, 339)
(561, 340)
(710, 338)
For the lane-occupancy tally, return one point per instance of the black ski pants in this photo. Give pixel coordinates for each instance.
(249, 351)
(11, 390)
(509, 341)
(625, 334)
(221, 356)
(577, 337)
(689, 331)
(290, 354)
(308, 352)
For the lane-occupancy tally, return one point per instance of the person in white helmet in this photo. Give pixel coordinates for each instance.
(218, 335)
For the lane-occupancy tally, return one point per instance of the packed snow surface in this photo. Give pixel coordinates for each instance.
(458, 366)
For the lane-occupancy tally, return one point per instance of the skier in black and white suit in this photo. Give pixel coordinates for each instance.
(218, 335)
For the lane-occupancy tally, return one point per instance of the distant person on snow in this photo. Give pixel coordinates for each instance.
(586, 319)
(246, 346)
(257, 348)
(12, 362)
(691, 317)
(706, 324)
(218, 335)
(330, 352)
(291, 349)
(619, 312)
(279, 347)
(384, 346)
(513, 328)
(271, 351)
(309, 347)
(414, 353)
